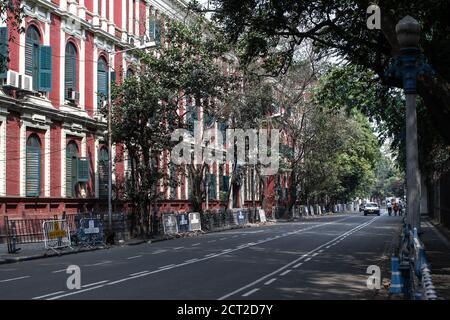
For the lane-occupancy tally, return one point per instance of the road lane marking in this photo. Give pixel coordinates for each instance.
(135, 274)
(320, 251)
(210, 255)
(211, 241)
(315, 254)
(297, 265)
(195, 244)
(270, 281)
(47, 295)
(134, 257)
(178, 248)
(159, 251)
(76, 292)
(168, 266)
(192, 260)
(361, 226)
(162, 269)
(306, 260)
(250, 292)
(285, 273)
(94, 284)
(227, 250)
(223, 239)
(98, 263)
(58, 271)
(14, 279)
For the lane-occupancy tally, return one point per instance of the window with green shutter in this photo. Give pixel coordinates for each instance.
(225, 183)
(103, 160)
(173, 182)
(70, 70)
(83, 170)
(71, 168)
(3, 52)
(32, 48)
(102, 81)
(208, 120)
(212, 187)
(33, 167)
(45, 68)
(191, 116)
(222, 126)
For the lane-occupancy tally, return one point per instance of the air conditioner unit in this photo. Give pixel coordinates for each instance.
(39, 118)
(131, 40)
(26, 82)
(74, 96)
(12, 79)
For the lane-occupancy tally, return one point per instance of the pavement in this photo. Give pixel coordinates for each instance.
(320, 258)
(436, 240)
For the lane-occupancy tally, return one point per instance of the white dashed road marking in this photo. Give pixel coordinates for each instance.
(250, 292)
(134, 257)
(270, 281)
(13, 279)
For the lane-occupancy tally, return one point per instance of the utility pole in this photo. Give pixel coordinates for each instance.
(407, 66)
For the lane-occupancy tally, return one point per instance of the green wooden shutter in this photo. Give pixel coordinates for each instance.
(102, 81)
(83, 170)
(33, 171)
(113, 77)
(3, 52)
(103, 174)
(151, 29)
(212, 187)
(69, 182)
(158, 32)
(70, 70)
(29, 58)
(45, 68)
(226, 182)
(173, 182)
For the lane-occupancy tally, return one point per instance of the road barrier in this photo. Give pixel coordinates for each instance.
(90, 232)
(194, 221)
(415, 268)
(56, 234)
(170, 224)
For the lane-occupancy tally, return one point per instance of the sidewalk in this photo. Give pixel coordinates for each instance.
(31, 251)
(436, 240)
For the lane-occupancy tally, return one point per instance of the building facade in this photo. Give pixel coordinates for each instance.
(53, 152)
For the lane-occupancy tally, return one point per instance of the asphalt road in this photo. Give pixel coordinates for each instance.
(321, 258)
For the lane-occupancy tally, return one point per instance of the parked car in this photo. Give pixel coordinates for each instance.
(371, 208)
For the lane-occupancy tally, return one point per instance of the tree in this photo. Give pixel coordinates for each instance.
(184, 70)
(273, 30)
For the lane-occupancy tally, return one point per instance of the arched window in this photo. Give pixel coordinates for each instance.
(70, 79)
(33, 166)
(32, 47)
(130, 73)
(103, 161)
(102, 81)
(71, 168)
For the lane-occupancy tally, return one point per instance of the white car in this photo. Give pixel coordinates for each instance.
(371, 208)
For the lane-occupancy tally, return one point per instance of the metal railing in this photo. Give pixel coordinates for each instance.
(414, 266)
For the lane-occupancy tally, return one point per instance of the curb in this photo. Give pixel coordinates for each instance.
(46, 255)
(54, 254)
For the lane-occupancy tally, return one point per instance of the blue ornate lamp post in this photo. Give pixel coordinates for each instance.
(407, 67)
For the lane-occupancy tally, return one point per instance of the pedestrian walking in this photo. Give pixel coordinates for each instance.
(395, 207)
(389, 207)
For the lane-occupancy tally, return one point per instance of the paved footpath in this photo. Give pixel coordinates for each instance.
(320, 258)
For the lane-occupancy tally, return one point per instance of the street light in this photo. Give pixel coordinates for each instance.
(145, 45)
(407, 66)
